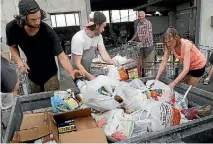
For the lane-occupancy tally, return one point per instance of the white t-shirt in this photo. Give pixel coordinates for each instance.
(81, 41)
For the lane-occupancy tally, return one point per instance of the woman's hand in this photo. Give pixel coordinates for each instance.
(172, 85)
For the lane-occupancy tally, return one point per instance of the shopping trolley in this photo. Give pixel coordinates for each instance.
(131, 51)
(24, 86)
(207, 51)
(128, 50)
(150, 69)
(171, 71)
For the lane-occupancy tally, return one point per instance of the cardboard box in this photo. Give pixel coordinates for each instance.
(36, 126)
(6, 55)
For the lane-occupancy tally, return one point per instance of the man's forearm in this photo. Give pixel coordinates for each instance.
(107, 58)
(65, 63)
(134, 37)
(15, 54)
(82, 69)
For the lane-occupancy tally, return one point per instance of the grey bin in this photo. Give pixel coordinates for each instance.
(27, 103)
(192, 131)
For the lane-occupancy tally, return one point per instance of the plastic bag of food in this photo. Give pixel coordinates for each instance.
(157, 115)
(118, 127)
(161, 92)
(133, 98)
(97, 94)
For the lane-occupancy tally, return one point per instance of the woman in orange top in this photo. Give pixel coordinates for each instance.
(194, 61)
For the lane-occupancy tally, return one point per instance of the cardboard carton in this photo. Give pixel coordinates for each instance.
(36, 126)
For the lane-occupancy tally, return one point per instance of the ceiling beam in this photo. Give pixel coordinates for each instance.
(147, 4)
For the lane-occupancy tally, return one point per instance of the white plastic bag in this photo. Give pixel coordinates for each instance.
(168, 94)
(155, 113)
(133, 98)
(6, 100)
(113, 72)
(160, 91)
(94, 99)
(118, 128)
(121, 60)
(138, 84)
(179, 102)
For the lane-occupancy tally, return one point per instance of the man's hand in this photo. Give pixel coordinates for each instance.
(22, 67)
(90, 77)
(112, 62)
(130, 41)
(76, 73)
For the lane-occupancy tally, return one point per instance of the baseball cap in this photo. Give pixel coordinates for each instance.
(95, 18)
(28, 7)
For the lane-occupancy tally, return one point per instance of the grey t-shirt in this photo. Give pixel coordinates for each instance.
(8, 76)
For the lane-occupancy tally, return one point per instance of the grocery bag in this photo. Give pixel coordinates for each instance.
(98, 94)
(161, 92)
(118, 127)
(157, 115)
(133, 97)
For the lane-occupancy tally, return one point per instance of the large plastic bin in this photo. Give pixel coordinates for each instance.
(27, 103)
(194, 131)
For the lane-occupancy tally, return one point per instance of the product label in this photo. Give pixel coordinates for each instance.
(133, 73)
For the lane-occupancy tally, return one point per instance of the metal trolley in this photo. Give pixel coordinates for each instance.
(207, 51)
(24, 86)
(131, 50)
(128, 50)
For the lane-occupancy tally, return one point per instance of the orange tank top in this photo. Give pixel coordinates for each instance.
(197, 59)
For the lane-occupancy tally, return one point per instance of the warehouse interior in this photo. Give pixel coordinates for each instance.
(185, 15)
(193, 19)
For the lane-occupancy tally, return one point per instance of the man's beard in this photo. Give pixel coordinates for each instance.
(30, 26)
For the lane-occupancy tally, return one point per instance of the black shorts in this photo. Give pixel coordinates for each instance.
(197, 73)
(211, 59)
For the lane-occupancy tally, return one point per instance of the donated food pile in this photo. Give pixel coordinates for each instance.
(127, 109)
(116, 106)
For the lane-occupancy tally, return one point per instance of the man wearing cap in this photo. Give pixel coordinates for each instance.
(86, 42)
(40, 44)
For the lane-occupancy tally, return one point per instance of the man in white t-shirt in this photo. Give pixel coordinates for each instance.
(86, 42)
